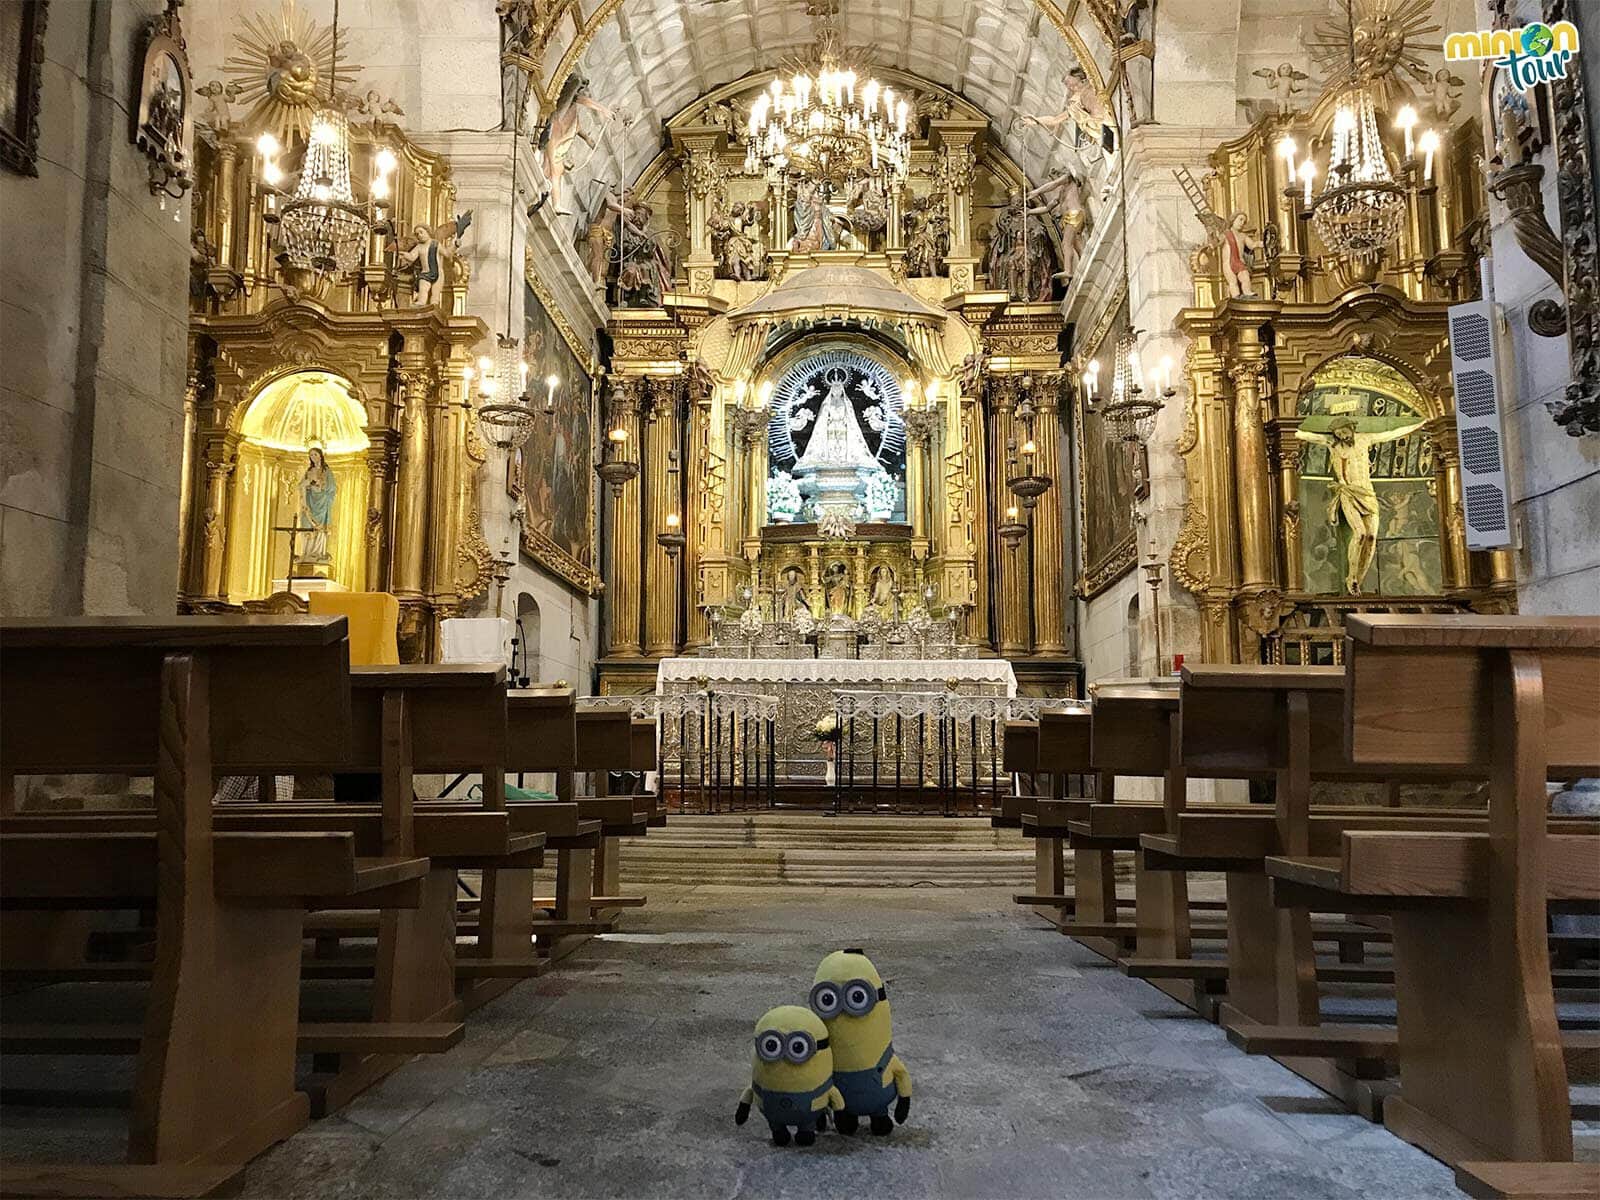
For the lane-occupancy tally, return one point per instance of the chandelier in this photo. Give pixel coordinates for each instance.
(323, 227)
(824, 124)
(1361, 208)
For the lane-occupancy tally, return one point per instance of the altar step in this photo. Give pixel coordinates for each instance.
(763, 849)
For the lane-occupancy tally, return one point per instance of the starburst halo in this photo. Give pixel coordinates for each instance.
(1391, 37)
(281, 65)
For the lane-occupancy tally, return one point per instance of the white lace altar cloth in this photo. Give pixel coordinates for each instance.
(986, 675)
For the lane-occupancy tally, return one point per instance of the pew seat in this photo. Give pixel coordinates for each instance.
(1529, 1180)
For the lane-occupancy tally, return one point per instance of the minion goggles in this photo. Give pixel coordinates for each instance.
(856, 998)
(796, 1047)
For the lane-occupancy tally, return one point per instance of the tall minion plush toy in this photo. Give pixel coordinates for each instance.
(792, 1077)
(848, 994)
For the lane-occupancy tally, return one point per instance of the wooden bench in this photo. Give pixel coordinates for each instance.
(1482, 1074)
(610, 740)
(183, 700)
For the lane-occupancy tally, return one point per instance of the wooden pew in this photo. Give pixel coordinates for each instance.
(1482, 1071)
(607, 740)
(542, 735)
(183, 700)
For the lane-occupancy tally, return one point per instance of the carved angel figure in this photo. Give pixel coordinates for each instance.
(1236, 249)
(428, 251)
(1085, 111)
(560, 135)
(736, 238)
(219, 97)
(1285, 78)
(927, 236)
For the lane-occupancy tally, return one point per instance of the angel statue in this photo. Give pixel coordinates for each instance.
(1285, 77)
(429, 251)
(1236, 249)
(1086, 112)
(1062, 198)
(219, 97)
(559, 135)
(867, 208)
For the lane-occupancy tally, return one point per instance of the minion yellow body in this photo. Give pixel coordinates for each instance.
(791, 1076)
(848, 995)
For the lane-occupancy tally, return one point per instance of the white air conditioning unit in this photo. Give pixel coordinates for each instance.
(1475, 366)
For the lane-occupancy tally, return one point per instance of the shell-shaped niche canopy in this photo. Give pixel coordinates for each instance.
(308, 408)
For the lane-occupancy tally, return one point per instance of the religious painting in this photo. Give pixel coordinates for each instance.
(1108, 473)
(1369, 517)
(553, 475)
(163, 121)
(21, 71)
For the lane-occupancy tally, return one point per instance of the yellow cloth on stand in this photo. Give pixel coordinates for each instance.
(374, 619)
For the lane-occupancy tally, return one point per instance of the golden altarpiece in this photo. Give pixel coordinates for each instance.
(1327, 340)
(705, 382)
(287, 364)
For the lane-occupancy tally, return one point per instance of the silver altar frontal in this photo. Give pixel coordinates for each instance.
(825, 721)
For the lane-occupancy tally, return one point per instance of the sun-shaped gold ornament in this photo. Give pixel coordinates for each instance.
(282, 64)
(1390, 38)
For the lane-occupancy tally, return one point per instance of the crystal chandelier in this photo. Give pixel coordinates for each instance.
(824, 124)
(1361, 208)
(324, 229)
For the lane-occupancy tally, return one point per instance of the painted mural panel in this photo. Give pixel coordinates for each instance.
(1106, 479)
(554, 472)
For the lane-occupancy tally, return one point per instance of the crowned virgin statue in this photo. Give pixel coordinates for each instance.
(837, 442)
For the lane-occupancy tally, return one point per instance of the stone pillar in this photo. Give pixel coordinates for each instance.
(1256, 526)
(1049, 543)
(663, 441)
(1287, 455)
(417, 383)
(626, 565)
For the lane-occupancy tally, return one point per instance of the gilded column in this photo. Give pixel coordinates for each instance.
(954, 141)
(1250, 475)
(227, 175)
(705, 177)
(967, 505)
(1012, 563)
(663, 448)
(1287, 455)
(186, 489)
(381, 457)
(1455, 565)
(414, 484)
(219, 464)
(1049, 544)
(623, 569)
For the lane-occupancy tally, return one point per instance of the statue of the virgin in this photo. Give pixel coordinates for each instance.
(837, 440)
(318, 490)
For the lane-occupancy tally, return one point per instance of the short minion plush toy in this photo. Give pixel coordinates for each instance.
(792, 1078)
(848, 994)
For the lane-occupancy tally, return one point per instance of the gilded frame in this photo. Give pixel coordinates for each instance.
(1096, 577)
(19, 141)
(581, 572)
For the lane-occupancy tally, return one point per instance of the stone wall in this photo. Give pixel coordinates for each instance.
(1555, 479)
(94, 340)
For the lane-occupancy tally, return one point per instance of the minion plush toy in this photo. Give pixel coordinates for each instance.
(792, 1077)
(848, 994)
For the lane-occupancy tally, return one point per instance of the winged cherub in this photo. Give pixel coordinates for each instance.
(428, 251)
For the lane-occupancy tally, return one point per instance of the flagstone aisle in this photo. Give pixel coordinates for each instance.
(1039, 1071)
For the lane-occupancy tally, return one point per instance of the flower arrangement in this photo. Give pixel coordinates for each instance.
(882, 494)
(827, 729)
(783, 497)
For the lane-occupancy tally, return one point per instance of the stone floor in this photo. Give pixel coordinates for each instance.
(1039, 1071)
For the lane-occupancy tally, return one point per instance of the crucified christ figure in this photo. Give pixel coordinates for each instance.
(1353, 493)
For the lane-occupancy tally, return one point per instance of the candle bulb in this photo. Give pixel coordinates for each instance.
(1407, 120)
(1011, 512)
(551, 382)
(673, 520)
(1286, 151)
(1308, 172)
(1429, 143)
